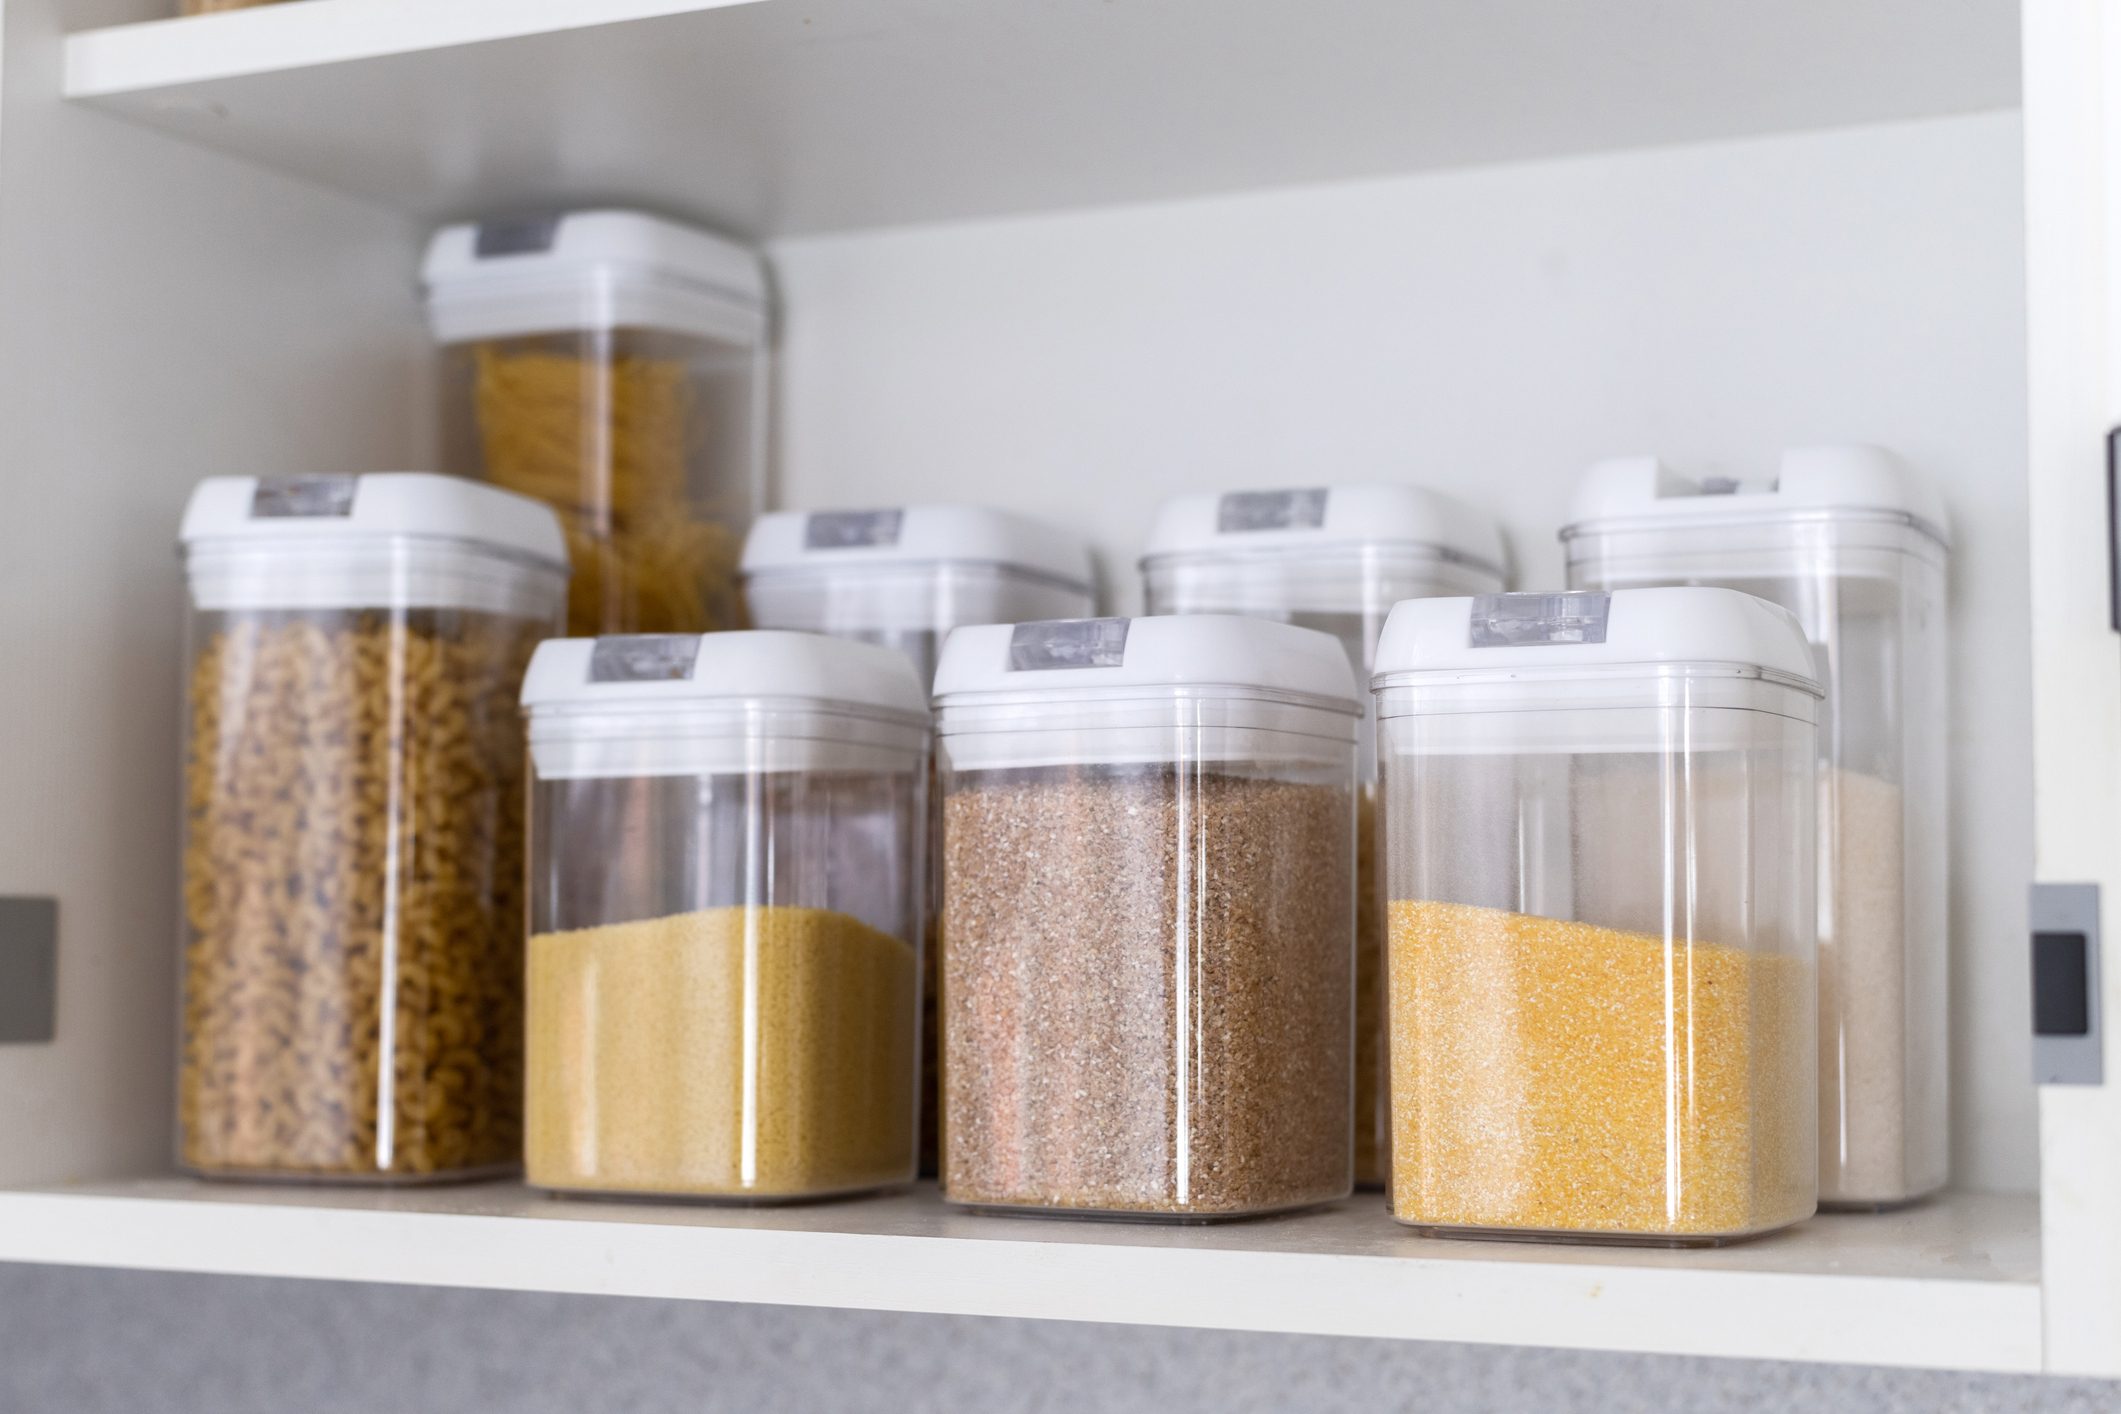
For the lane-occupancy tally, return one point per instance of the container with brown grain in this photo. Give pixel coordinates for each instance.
(1333, 558)
(902, 577)
(351, 1003)
(1148, 916)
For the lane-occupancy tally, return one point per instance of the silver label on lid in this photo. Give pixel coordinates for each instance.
(851, 530)
(300, 497)
(515, 235)
(644, 657)
(1241, 511)
(1068, 643)
(1539, 620)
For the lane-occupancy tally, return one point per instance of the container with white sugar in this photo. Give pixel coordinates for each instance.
(1854, 543)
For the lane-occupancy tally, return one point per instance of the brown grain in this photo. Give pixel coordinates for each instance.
(1373, 1117)
(1147, 991)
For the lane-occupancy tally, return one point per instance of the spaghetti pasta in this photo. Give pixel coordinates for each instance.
(608, 442)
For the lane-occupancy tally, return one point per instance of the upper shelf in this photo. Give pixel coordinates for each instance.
(773, 117)
(1953, 1284)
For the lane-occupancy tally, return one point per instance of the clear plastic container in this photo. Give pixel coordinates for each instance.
(1599, 854)
(1853, 543)
(1335, 559)
(902, 578)
(612, 365)
(353, 824)
(726, 858)
(1148, 916)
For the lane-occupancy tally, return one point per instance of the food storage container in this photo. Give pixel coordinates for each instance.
(726, 860)
(1333, 558)
(1852, 542)
(1599, 855)
(613, 365)
(353, 823)
(903, 577)
(1148, 916)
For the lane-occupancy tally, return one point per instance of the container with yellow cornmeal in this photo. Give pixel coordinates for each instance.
(746, 1053)
(1554, 1078)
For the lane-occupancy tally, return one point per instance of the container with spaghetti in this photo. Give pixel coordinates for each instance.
(612, 365)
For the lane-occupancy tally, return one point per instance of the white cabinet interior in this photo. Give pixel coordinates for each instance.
(1074, 257)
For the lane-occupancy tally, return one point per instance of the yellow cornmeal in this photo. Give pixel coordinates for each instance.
(637, 1078)
(1546, 1077)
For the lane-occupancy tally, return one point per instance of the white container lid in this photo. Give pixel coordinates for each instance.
(1326, 518)
(590, 270)
(1812, 482)
(1223, 654)
(401, 538)
(753, 666)
(1545, 673)
(840, 542)
(1504, 634)
(717, 703)
(1259, 694)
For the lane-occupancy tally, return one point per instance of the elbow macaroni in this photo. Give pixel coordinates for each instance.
(353, 888)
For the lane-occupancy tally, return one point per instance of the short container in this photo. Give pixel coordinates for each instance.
(353, 824)
(902, 577)
(726, 862)
(1333, 558)
(1852, 542)
(1148, 916)
(614, 366)
(1599, 854)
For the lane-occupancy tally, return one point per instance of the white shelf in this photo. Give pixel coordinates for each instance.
(1951, 1284)
(770, 117)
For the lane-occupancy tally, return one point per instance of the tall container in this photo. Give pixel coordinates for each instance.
(614, 366)
(1599, 854)
(353, 824)
(1148, 916)
(1854, 544)
(1335, 559)
(726, 861)
(902, 577)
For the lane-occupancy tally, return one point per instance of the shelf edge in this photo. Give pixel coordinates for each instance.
(169, 53)
(1919, 1322)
